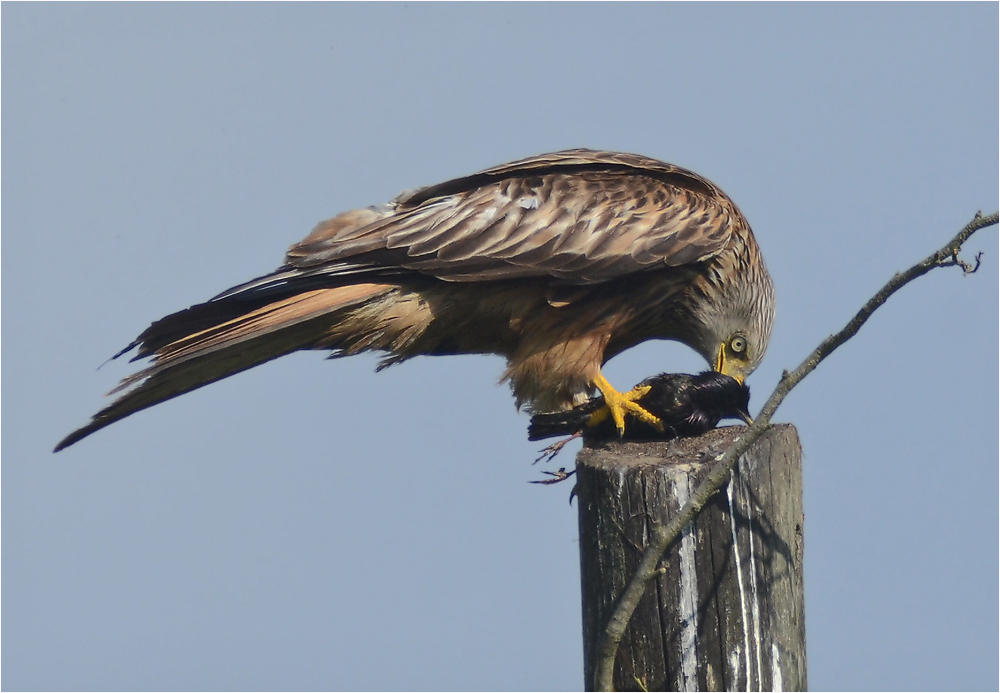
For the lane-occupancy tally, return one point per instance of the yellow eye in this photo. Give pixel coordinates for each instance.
(738, 345)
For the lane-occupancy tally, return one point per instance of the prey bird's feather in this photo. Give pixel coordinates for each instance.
(685, 405)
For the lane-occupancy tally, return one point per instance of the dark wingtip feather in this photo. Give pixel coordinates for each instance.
(288, 326)
(81, 433)
(127, 349)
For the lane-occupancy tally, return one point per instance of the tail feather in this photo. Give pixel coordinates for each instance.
(211, 354)
(262, 292)
(561, 423)
(275, 317)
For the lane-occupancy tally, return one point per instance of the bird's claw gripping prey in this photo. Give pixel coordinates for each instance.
(684, 405)
(617, 404)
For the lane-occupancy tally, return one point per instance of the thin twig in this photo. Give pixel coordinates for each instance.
(662, 536)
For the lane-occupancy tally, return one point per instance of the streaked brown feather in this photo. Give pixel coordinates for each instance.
(578, 210)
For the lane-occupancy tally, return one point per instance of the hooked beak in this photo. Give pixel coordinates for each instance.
(728, 366)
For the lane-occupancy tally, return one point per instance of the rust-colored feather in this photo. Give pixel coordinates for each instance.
(233, 346)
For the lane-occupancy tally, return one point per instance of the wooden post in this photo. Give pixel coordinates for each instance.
(728, 611)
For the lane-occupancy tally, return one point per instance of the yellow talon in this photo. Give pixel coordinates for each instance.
(616, 404)
(637, 392)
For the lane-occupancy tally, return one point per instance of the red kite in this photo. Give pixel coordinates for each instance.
(557, 263)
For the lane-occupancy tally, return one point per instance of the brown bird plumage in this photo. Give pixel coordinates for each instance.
(557, 262)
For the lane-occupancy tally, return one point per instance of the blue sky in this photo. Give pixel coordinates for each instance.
(312, 525)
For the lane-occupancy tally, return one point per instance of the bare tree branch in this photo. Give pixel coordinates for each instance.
(661, 537)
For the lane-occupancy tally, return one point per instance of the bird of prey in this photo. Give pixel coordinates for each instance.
(685, 405)
(556, 262)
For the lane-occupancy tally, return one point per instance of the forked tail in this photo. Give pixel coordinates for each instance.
(201, 355)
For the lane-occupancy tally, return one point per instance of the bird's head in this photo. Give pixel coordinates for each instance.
(735, 327)
(735, 351)
(734, 357)
(721, 397)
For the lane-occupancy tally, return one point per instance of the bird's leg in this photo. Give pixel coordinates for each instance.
(618, 403)
(561, 475)
(637, 392)
(549, 452)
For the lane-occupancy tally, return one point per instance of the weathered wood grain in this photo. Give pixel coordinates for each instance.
(727, 612)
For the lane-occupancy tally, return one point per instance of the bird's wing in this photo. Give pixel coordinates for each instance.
(578, 216)
(222, 350)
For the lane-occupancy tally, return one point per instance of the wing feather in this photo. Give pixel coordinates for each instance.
(576, 216)
(209, 355)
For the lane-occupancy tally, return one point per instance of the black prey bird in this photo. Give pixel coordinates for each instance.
(686, 405)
